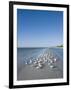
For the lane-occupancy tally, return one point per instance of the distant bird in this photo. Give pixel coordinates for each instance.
(55, 59)
(35, 62)
(39, 66)
(30, 62)
(51, 66)
(26, 63)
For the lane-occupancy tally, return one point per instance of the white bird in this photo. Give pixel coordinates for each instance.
(39, 66)
(30, 62)
(55, 59)
(26, 63)
(51, 66)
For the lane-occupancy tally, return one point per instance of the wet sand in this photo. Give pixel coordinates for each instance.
(28, 72)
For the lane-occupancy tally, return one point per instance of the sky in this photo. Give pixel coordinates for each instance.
(39, 28)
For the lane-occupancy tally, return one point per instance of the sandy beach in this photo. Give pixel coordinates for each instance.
(28, 72)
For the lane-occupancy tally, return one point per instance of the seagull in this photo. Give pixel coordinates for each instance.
(30, 61)
(39, 66)
(26, 63)
(55, 59)
(51, 66)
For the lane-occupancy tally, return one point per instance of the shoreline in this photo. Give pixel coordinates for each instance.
(31, 73)
(48, 71)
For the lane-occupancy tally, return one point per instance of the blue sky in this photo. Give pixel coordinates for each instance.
(37, 28)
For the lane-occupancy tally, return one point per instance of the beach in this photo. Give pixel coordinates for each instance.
(47, 70)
